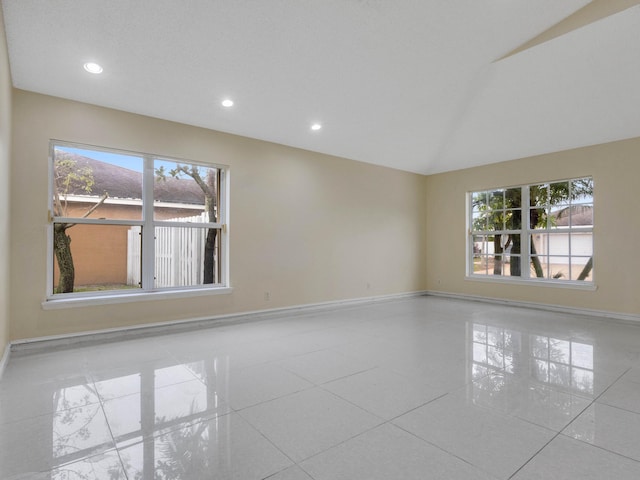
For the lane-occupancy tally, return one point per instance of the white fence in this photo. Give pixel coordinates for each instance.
(179, 254)
(134, 256)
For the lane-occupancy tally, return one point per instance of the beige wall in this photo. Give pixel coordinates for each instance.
(305, 227)
(5, 151)
(615, 168)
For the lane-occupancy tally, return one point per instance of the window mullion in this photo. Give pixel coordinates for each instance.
(469, 229)
(525, 249)
(165, 223)
(223, 205)
(148, 228)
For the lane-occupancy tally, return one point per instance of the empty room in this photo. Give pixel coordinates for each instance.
(319, 240)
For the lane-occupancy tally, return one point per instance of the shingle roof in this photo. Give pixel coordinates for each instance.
(120, 182)
(581, 215)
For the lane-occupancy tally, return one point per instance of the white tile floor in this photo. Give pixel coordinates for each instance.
(423, 388)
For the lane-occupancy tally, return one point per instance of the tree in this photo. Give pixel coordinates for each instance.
(502, 209)
(68, 178)
(209, 186)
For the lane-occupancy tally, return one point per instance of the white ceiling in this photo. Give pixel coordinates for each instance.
(411, 84)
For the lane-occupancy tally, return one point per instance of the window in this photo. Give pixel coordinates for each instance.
(533, 232)
(126, 222)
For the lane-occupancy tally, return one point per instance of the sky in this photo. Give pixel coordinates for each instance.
(127, 161)
(132, 162)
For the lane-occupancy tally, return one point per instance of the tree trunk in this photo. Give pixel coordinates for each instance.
(497, 255)
(534, 217)
(209, 260)
(62, 250)
(586, 270)
(514, 262)
(537, 266)
(210, 191)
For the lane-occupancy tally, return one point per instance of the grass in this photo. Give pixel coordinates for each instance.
(100, 288)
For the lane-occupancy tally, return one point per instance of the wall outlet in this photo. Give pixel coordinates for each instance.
(267, 296)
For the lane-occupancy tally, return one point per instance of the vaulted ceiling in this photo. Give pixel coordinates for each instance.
(420, 85)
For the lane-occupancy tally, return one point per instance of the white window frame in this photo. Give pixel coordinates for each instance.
(526, 231)
(148, 225)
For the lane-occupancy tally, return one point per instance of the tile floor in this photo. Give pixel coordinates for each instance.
(422, 388)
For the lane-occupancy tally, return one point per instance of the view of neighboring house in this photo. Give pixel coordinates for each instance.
(118, 193)
(562, 253)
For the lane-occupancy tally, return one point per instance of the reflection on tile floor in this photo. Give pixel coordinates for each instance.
(410, 389)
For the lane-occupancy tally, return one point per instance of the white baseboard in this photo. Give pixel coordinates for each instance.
(5, 359)
(628, 318)
(30, 345)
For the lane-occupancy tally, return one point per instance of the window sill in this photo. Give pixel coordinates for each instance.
(574, 285)
(54, 303)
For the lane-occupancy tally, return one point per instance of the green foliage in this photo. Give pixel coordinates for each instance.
(501, 210)
(495, 209)
(69, 177)
(179, 172)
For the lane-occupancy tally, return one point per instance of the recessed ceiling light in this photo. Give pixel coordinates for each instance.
(92, 67)
(316, 126)
(227, 103)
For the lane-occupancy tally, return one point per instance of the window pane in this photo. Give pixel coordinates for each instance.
(582, 215)
(560, 216)
(559, 268)
(582, 190)
(185, 192)
(539, 244)
(513, 197)
(582, 243)
(480, 264)
(96, 257)
(494, 221)
(539, 195)
(538, 218)
(513, 219)
(480, 244)
(186, 256)
(539, 267)
(496, 199)
(558, 193)
(479, 222)
(94, 184)
(558, 244)
(479, 201)
(494, 255)
(582, 268)
(512, 244)
(511, 266)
